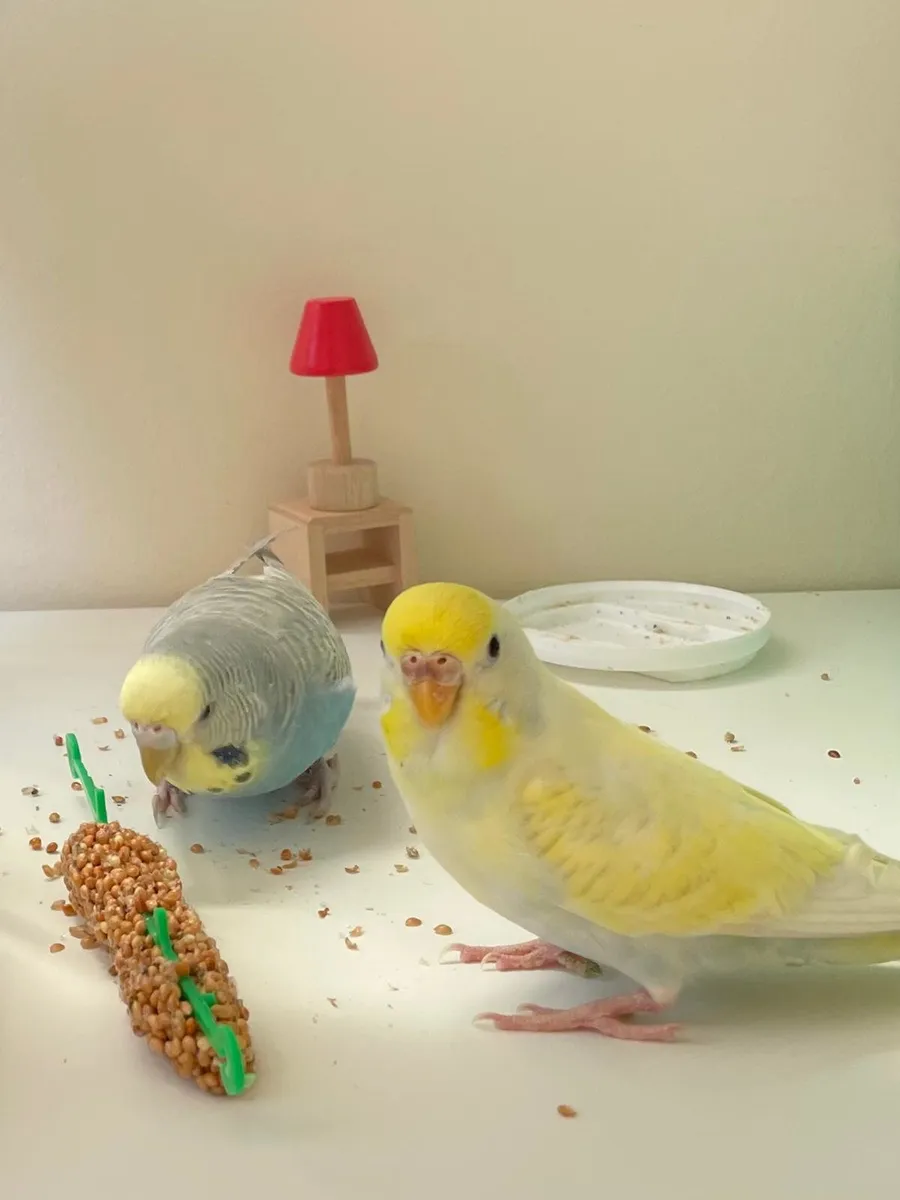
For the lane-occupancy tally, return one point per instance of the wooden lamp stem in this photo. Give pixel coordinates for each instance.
(338, 419)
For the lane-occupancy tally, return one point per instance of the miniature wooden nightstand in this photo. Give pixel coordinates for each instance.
(343, 500)
(383, 564)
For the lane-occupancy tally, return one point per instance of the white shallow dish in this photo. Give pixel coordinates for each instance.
(677, 632)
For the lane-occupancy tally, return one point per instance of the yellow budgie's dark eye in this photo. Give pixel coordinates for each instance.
(494, 647)
(204, 716)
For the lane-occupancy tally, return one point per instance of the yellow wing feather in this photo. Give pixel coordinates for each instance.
(657, 846)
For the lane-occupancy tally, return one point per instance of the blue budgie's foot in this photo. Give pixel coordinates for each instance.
(167, 800)
(526, 956)
(317, 783)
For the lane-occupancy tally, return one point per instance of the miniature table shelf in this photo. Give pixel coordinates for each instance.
(381, 565)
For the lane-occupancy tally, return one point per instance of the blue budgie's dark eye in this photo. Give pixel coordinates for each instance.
(494, 647)
(231, 756)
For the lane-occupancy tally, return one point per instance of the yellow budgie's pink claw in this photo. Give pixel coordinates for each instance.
(525, 956)
(608, 1017)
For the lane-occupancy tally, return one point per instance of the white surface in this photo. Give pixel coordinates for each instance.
(677, 632)
(788, 1086)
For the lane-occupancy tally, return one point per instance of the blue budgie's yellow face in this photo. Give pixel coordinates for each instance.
(178, 727)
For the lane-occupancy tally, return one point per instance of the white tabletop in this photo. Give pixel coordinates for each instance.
(785, 1086)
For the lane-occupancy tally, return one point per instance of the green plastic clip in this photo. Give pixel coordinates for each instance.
(96, 795)
(222, 1038)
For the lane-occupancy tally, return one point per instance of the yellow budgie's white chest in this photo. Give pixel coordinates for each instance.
(470, 835)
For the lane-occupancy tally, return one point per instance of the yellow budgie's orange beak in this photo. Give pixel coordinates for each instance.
(433, 681)
(433, 701)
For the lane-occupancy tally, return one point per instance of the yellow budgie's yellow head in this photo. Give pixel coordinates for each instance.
(162, 697)
(459, 662)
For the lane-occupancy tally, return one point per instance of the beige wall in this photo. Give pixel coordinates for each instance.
(631, 268)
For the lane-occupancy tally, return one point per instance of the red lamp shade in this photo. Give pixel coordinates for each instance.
(333, 339)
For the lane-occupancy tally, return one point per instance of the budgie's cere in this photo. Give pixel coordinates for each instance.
(244, 686)
(610, 846)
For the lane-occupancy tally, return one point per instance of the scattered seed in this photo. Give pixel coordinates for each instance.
(59, 740)
(276, 870)
(413, 830)
(401, 868)
(737, 748)
(645, 729)
(48, 871)
(76, 786)
(68, 910)
(103, 747)
(566, 1110)
(413, 922)
(57, 905)
(247, 852)
(52, 848)
(286, 855)
(352, 870)
(332, 819)
(690, 754)
(56, 947)
(356, 931)
(412, 852)
(31, 790)
(99, 720)
(825, 676)
(254, 862)
(324, 910)
(36, 844)
(332, 1000)
(376, 784)
(89, 943)
(119, 733)
(120, 800)
(292, 865)
(443, 930)
(197, 848)
(856, 779)
(834, 754)
(729, 737)
(54, 818)
(350, 945)
(305, 855)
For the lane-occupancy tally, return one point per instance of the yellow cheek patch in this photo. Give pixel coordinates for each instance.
(484, 738)
(401, 729)
(195, 770)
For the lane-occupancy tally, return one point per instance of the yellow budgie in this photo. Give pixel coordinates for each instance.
(609, 846)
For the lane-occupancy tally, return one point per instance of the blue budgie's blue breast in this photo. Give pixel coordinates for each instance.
(311, 734)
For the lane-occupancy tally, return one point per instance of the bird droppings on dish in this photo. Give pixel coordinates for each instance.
(412, 852)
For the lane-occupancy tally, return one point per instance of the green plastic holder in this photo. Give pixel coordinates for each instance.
(222, 1038)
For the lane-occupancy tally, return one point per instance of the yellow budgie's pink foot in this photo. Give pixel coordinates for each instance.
(525, 956)
(609, 1017)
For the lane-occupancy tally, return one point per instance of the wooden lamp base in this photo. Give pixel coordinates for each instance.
(383, 564)
(342, 487)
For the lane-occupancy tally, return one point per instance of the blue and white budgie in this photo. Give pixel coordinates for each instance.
(243, 686)
(610, 847)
